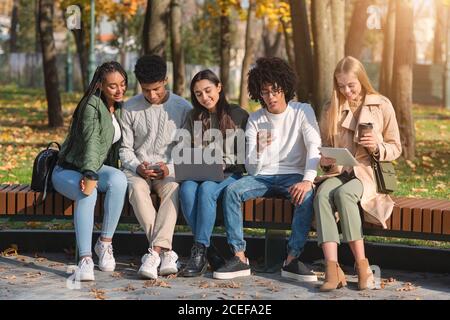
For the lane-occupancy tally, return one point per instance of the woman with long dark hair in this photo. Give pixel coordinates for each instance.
(88, 161)
(199, 199)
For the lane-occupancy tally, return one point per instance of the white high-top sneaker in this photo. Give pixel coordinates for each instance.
(150, 264)
(85, 270)
(168, 263)
(104, 251)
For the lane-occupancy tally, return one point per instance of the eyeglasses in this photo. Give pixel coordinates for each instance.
(274, 92)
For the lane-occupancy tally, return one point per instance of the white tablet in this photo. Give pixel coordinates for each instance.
(342, 155)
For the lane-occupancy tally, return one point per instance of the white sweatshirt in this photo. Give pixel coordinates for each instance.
(294, 148)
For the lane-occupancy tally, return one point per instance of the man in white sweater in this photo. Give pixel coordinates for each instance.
(149, 123)
(282, 157)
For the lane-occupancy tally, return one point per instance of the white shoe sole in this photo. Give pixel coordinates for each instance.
(87, 277)
(147, 275)
(298, 277)
(167, 271)
(107, 269)
(231, 275)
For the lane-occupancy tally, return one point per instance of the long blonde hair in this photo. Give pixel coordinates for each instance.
(330, 118)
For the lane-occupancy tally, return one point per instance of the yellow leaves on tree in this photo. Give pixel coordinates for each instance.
(275, 12)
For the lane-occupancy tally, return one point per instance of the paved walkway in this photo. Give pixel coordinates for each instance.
(36, 276)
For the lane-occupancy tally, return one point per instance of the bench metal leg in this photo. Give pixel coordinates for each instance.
(274, 251)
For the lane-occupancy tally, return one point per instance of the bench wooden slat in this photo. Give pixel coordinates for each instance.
(418, 216)
(12, 199)
(287, 212)
(22, 200)
(268, 210)
(4, 197)
(446, 222)
(278, 214)
(248, 210)
(259, 210)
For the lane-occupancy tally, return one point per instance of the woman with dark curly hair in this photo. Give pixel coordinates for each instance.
(282, 156)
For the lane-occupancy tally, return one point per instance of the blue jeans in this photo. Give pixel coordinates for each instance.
(251, 187)
(113, 182)
(198, 202)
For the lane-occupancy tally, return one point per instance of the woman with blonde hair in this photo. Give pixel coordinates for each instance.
(354, 105)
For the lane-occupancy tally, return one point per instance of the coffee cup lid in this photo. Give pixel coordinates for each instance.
(91, 175)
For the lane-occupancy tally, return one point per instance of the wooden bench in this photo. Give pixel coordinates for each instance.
(414, 218)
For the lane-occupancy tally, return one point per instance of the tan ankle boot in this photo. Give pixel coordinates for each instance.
(334, 277)
(365, 275)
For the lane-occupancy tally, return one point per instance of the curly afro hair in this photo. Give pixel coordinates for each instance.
(273, 71)
(150, 69)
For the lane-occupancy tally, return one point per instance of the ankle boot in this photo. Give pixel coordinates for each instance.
(197, 263)
(334, 277)
(365, 275)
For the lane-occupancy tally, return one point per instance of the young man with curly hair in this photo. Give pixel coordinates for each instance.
(149, 122)
(281, 158)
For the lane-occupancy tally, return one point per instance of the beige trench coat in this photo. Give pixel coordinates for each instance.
(377, 110)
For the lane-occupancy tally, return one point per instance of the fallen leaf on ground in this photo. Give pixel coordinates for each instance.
(98, 294)
(117, 275)
(408, 286)
(10, 252)
(33, 274)
(156, 283)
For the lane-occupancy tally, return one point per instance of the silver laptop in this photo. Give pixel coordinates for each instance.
(198, 171)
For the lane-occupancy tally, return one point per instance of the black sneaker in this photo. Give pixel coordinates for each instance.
(197, 263)
(298, 271)
(233, 268)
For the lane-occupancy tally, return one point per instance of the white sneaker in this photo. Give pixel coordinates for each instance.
(168, 263)
(150, 264)
(85, 271)
(104, 251)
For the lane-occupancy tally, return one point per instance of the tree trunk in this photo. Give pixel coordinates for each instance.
(250, 47)
(37, 42)
(156, 26)
(13, 29)
(302, 50)
(271, 42)
(225, 50)
(55, 118)
(402, 77)
(338, 28)
(354, 45)
(439, 33)
(177, 48)
(288, 44)
(324, 56)
(82, 45)
(387, 62)
(123, 46)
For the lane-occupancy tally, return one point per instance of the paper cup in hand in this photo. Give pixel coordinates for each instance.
(90, 182)
(364, 128)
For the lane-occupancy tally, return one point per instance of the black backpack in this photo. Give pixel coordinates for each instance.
(43, 166)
